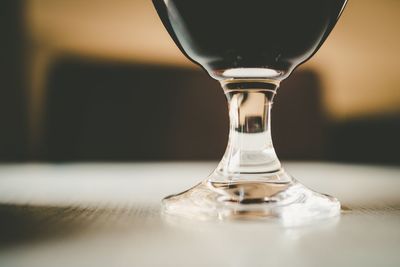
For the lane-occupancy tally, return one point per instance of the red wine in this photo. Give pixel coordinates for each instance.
(276, 35)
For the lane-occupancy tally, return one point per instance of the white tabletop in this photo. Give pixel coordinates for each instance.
(108, 215)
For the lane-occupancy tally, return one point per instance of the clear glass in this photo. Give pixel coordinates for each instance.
(250, 52)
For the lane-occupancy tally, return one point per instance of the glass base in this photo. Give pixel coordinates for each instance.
(275, 196)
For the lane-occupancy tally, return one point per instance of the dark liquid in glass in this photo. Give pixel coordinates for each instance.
(228, 34)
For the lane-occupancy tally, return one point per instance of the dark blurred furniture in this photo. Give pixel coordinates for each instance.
(101, 111)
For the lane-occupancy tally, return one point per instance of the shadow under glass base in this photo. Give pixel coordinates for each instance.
(276, 196)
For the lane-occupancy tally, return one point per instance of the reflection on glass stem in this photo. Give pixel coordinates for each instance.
(250, 148)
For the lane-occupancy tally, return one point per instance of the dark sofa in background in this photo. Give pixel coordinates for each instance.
(101, 111)
(104, 111)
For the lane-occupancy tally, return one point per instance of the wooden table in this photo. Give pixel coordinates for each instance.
(108, 215)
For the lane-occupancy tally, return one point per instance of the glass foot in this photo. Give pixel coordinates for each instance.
(265, 198)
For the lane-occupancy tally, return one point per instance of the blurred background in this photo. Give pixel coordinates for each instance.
(100, 80)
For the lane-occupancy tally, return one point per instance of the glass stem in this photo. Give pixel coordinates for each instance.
(250, 149)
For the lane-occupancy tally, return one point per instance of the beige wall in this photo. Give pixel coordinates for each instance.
(360, 61)
(359, 64)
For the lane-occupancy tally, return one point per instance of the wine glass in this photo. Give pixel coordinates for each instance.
(250, 47)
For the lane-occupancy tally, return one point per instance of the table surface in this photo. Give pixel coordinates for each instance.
(109, 215)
